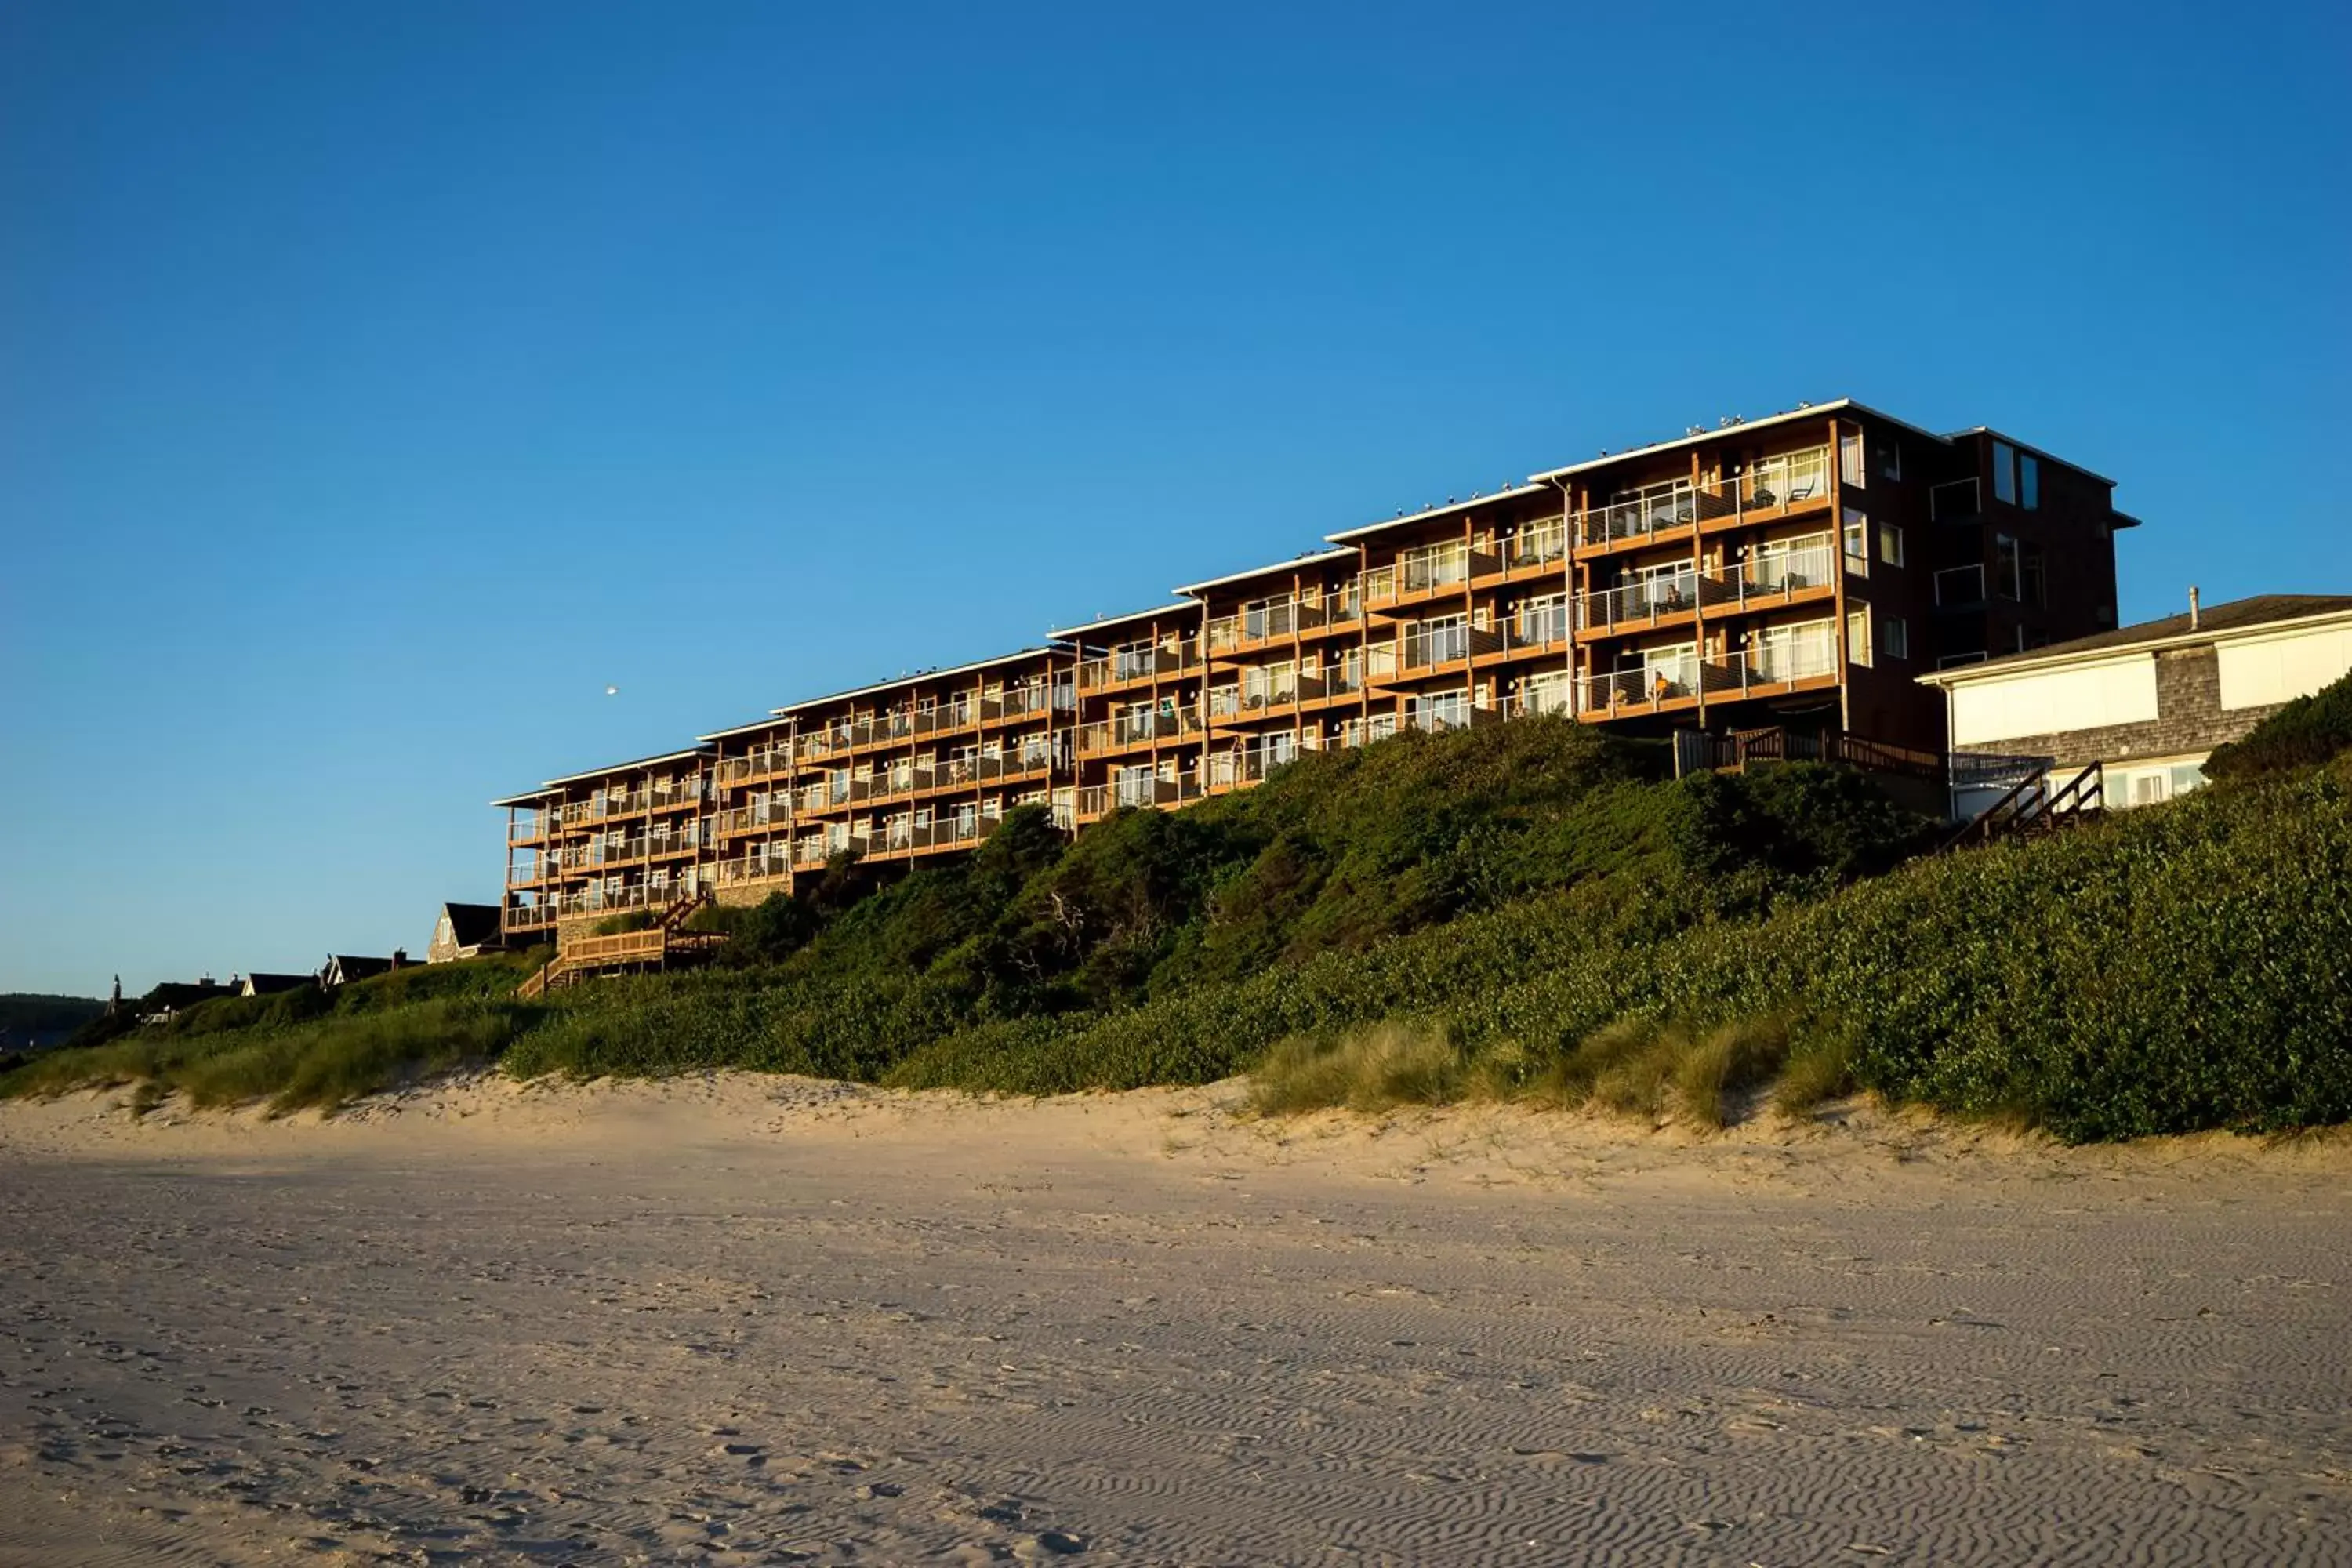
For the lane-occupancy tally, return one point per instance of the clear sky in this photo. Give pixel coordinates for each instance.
(380, 382)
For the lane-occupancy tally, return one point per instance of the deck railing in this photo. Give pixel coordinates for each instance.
(1541, 543)
(1771, 485)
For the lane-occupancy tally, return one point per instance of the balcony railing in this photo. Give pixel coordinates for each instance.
(1800, 653)
(1641, 686)
(1268, 621)
(954, 830)
(1437, 715)
(1642, 602)
(1554, 695)
(756, 867)
(1137, 662)
(1773, 484)
(1420, 650)
(1366, 731)
(1137, 725)
(1542, 543)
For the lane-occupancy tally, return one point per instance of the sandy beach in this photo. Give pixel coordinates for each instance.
(746, 1319)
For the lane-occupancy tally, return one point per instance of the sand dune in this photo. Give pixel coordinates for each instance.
(750, 1319)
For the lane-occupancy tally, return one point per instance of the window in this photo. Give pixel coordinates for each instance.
(2032, 580)
(2150, 784)
(1857, 633)
(1890, 459)
(2004, 472)
(2029, 482)
(1895, 637)
(1857, 542)
(1890, 543)
(2005, 568)
(1850, 471)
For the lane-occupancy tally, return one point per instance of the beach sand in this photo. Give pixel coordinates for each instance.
(756, 1320)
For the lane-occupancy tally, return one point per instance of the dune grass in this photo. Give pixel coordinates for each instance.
(1523, 913)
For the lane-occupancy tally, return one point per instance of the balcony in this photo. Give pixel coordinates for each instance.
(527, 914)
(1552, 694)
(1424, 572)
(1641, 687)
(753, 765)
(751, 819)
(1435, 716)
(1770, 488)
(1536, 545)
(600, 899)
(958, 830)
(1239, 765)
(1138, 726)
(1138, 661)
(1785, 657)
(1777, 571)
(760, 866)
(1095, 800)
(1648, 601)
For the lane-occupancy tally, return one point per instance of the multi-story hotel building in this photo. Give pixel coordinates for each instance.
(631, 837)
(922, 765)
(1138, 687)
(1795, 571)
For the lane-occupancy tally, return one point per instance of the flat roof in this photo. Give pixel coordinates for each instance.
(1449, 509)
(917, 678)
(2215, 623)
(1810, 411)
(551, 785)
(1107, 622)
(1310, 558)
(768, 722)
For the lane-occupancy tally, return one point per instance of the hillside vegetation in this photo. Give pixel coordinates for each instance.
(1529, 911)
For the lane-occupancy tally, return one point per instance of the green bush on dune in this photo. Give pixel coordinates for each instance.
(1532, 912)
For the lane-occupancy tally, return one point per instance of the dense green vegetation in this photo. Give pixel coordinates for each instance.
(1529, 912)
(2307, 732)
(299, 1047)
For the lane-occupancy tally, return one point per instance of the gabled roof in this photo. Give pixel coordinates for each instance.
(260, 984)
(917, 678)
(2216, 623)
(470, 925)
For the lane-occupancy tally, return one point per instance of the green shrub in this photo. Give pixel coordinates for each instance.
(1372, 1070)
(2307, 732)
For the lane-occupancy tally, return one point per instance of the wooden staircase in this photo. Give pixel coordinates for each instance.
(2034, 809)
(653, 947)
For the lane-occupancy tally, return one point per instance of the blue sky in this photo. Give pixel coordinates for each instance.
(379, 382)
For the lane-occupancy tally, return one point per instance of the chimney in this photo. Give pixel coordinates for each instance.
(2192, 606)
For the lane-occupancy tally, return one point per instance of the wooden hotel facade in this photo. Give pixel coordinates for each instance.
(1798, 573)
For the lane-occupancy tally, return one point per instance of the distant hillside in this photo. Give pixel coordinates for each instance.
(30, 1022)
